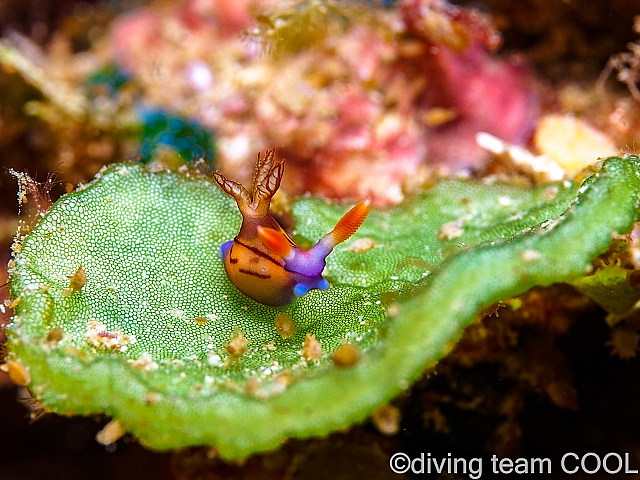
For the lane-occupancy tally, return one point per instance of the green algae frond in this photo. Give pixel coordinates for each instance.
(306, 25)
(609, 286)
(158, 338)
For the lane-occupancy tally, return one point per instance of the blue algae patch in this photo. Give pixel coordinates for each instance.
(384, 3)
(190, 140)
(109, 78)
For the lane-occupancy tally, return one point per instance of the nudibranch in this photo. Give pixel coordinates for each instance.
(262, 261)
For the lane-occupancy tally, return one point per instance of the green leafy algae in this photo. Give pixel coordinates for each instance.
(609, 286)
(304, 26)
(144, 340)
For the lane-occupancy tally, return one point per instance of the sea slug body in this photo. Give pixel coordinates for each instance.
(262, 261)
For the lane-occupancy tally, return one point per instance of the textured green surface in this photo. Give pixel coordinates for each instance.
(609, 287)
(149, 243)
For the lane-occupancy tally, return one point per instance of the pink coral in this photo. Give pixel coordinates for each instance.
(354, 115)
(486, 93)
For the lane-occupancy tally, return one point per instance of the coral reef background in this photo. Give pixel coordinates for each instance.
(545, 379)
